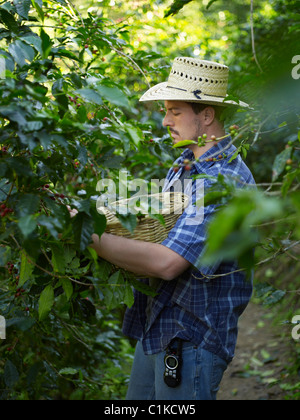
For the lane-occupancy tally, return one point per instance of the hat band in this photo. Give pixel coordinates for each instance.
(195, 92)
(172, 87)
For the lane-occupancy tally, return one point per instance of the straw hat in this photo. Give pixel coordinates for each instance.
(194, 80)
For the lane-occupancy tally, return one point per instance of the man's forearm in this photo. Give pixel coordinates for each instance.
(141, 258)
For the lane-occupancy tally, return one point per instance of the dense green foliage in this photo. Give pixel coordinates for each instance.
(70, 116)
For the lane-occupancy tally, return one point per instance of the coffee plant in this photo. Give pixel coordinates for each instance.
(69, 84)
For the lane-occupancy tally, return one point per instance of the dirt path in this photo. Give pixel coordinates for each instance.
(261, 357)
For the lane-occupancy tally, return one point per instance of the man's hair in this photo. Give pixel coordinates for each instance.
(198, 107)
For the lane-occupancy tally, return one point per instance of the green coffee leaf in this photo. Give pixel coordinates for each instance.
(58, 258)
(113, 95)
(23, 7)
(46, 301)
(26, 270)
(27, 225)
(128, 296)
(90, 96)
(83, 229)
(46, 43)
(68, 371)
(68, 287)
(8, 21)
(11, 374)
(280, 163)
(183, 143)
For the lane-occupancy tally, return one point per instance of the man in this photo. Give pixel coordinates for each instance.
(187, 333)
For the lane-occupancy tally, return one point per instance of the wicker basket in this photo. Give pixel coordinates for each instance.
(169, 204)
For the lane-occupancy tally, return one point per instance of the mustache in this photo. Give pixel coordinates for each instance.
(173, 131)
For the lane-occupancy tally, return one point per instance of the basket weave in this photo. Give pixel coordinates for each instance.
(149, 229)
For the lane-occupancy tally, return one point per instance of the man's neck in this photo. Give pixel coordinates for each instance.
(199, 151)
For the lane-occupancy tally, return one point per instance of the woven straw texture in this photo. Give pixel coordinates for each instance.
(148, 229)
(192, 75)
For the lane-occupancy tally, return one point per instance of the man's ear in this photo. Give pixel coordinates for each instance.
(209, 115)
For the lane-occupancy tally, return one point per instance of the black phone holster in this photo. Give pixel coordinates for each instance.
(173, 363)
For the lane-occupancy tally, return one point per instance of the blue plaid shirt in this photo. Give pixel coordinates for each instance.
(199, 306)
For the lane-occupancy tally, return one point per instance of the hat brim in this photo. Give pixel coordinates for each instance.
(163, 92)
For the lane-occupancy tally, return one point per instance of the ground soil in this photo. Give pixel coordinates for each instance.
(259, 366)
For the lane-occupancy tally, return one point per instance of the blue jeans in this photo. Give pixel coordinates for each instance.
(202, 373)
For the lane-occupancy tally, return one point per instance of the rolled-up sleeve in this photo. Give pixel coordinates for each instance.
(189, 236)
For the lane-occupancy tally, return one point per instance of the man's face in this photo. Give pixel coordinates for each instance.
(183, 123)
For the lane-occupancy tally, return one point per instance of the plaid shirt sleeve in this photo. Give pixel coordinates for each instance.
(188, 238)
